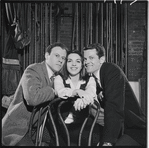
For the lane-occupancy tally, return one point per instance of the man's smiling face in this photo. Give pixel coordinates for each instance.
(91, 61)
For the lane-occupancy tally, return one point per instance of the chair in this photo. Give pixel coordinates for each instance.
(45, 109)
(83, 125)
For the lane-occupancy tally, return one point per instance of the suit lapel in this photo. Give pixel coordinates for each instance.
(101, 75)
(45, 72)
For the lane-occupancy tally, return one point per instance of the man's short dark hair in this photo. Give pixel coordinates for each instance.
(50, 47)
(99, 48)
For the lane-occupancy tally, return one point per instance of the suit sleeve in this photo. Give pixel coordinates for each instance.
(114, 86)
(35, 89)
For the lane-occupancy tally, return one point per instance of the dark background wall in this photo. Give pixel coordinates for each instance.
(137, 32)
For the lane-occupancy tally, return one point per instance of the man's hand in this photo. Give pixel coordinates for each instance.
(107, 144)
(81, 103)
(100, 95)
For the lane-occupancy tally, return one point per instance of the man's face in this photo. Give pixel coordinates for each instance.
(91, 61)
(56, 59)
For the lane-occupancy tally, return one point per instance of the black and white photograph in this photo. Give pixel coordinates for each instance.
(74, 73)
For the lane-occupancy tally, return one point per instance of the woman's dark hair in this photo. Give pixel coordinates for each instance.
(99, 48)
(65, 72)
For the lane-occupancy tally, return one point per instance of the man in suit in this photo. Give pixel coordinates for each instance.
(35, 87)
(121, 117)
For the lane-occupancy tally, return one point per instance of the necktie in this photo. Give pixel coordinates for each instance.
(52, 80)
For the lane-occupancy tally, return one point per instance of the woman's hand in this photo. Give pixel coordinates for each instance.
(79, 104)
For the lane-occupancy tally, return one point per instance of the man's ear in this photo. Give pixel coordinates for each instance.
(102, 59)
(46, 55)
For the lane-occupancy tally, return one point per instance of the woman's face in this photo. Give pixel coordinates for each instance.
(74, 64)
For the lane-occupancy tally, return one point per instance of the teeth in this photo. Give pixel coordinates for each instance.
(73, 68)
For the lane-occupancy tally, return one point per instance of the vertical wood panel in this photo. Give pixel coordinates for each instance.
(81, 27)
(35, 35)
(118, 34)
(111, 33)
(107, 31)
(122, 37)
(86, 34)
(46, 25)
(41, 29)
(97, 23)
(126, 39)
(50, 23)
(102, 25)
(73, 27)
(77, 27)
(29, 30)
(91, 24)
(116, 17)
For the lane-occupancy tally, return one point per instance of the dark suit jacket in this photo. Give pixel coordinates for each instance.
(120, 103)
(34, 88)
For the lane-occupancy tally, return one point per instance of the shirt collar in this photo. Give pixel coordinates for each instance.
(80, 82)
(97, 75)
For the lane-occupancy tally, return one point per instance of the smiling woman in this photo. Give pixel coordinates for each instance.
(74, 64)
(75, 85)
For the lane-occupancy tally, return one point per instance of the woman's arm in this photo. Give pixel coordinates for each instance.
(87, 96)
(61, 90)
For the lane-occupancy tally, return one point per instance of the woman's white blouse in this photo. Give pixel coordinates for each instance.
(65, 92)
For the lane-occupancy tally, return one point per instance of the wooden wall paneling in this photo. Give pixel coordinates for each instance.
(50, 23)
(38, 30)
(118, 34)
(81, 27)
(91, 22)
(22, 21)
(41, 29)
(101, 24)
(46, 25)
(107, 33)
(122, 38)
(22, 27)
(97, 22)
(58, 24)
(111, 34)
(86, 30)
(43, 32)
(25, 32)
(76, 38)
(29, 20)
(73, 27)
(126, 37)
(2, 27)
(35, 35)
(116, 24)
